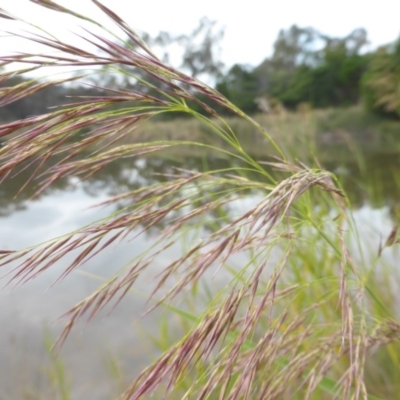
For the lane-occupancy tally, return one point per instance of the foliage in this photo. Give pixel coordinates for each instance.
(381, 83)
(298, 318)
(323, 77)
(240, 86)
(305, 67)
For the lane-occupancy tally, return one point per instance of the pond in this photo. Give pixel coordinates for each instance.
(109, 350)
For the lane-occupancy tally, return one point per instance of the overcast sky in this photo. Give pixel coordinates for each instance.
(251, 26)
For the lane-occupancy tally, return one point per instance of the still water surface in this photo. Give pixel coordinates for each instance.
(27, 312)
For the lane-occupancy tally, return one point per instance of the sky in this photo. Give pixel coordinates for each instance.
(251, 27)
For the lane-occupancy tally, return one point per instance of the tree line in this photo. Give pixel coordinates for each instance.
(306, 67)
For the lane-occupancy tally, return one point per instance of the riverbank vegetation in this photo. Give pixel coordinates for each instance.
(304, 308)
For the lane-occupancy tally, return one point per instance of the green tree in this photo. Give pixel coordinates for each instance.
(337, 81)
(381, 83)
(240, 86)
(293, 48)
(308, 66)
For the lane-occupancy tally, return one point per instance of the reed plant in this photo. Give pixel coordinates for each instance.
(304, 314)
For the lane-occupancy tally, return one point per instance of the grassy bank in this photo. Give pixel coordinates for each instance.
(303, 134)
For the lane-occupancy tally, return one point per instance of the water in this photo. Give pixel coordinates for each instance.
(29, 311)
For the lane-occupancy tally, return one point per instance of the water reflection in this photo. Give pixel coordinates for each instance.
(372, 179)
